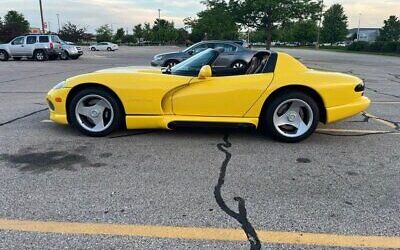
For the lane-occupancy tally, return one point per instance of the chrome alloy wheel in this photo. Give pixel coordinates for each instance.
(293, 118)
(94, 113)
(238, 65)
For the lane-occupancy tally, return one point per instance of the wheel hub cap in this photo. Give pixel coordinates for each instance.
(94, 113)
(292, 116)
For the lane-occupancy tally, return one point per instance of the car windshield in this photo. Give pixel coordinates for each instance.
(192, 66)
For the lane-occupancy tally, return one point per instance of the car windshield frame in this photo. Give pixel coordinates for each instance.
(193, 65)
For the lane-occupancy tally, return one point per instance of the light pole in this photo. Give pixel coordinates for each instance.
(58, 20)
(358, 29)
(41, 15)
(159, 14)
(319, 25)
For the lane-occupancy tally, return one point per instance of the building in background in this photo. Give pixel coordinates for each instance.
(366, 34)
(34, 30)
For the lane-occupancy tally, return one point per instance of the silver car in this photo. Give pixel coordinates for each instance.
(38, 47)
(233, 56)
(70, 51)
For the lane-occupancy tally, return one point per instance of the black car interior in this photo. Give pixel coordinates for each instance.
(256, 66)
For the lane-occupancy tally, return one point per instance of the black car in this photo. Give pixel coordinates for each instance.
(234, 55)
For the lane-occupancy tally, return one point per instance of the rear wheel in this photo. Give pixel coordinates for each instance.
(95, 112)
(40, 55)
(109, 49)
(93, 49)
(291, 117)
(4, 55)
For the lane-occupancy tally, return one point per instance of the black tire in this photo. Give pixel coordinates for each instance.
(239, 65)
(93, 49)
(74, 57)
(267, 118)
(109, 49)
(116, 122)
(40, 55)
(171, 63)
(64, 55)
(4, 55)
(17, 58)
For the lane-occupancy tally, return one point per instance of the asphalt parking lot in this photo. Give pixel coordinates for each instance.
(197, 189)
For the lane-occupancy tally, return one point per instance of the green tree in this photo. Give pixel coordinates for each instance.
(14, 24)
(147, 32)
(305, 31)
(391, 31)
(334, 25)
(270, 14)
(119, 35)
(1, 30)
(138, 32)
(104, 33)
(164, 31)
(71, 32)
(216, 22)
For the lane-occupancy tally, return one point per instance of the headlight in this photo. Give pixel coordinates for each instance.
(360, 87)
(158, 57)
(60, 85)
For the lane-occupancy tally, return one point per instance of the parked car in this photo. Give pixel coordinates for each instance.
(104, 46)
(277, 94)
(38, 47)
(70, 51)
(234, 55)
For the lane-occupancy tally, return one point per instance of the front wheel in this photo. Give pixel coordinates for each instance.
(64, 55)
(291, 117)
(109, 49)
(239, 65)
(95, 112)
(40, 55)
(93, 49)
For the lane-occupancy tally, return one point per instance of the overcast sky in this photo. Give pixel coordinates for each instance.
(127, 13)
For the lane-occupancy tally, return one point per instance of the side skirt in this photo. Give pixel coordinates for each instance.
(172, 121)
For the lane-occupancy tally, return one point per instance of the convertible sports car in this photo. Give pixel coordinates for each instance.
(276, 93)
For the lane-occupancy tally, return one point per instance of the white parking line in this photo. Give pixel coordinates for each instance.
(47, 121)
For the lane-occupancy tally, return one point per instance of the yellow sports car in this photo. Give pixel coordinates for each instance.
(276, 93)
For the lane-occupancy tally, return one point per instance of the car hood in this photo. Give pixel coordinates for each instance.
(171, 54)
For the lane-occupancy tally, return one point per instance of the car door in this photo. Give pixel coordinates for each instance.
(17, 46)
(103, 46)
(29, 45)
(229, 96)
(227, 57)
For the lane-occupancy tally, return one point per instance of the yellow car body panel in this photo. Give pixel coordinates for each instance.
(153, 100)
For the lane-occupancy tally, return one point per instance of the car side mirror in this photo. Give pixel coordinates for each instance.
(205, 72)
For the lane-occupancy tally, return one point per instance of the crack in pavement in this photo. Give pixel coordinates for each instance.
(367, 117)
(22, 117)
(241, 216)
(132, 134)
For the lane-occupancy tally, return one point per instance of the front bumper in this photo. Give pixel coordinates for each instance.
(56, 99)
(338, 113)
(156, 63)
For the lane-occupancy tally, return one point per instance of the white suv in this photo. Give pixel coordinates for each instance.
(38, 47)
